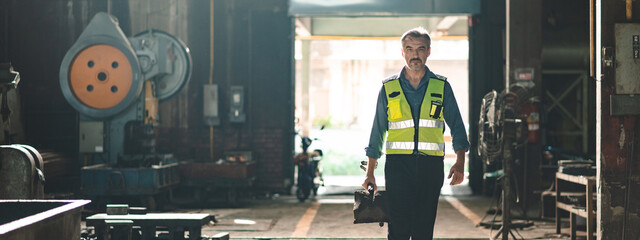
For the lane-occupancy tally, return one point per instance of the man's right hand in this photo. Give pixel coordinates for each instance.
(370, 180)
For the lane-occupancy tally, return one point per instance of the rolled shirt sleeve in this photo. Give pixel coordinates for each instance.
(454, 120)
(379, 128)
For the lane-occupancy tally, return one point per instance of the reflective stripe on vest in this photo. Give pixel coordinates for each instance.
(421, 146)
(402, 129)
(422, 123)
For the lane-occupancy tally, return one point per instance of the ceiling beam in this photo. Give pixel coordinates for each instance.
(315, 37)
(303, 27)
(446, 22)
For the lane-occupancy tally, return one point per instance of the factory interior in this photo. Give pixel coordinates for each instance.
(187, 119)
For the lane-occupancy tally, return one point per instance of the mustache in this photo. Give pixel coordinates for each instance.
(418, 59)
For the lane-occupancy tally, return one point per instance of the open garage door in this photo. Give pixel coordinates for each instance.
(345, 48)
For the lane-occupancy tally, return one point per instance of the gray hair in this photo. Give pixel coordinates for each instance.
(418, 32)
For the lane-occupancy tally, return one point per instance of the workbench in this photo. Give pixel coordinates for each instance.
(587, 212)
(176, 222)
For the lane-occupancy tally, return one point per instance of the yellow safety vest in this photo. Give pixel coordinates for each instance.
(402, 129)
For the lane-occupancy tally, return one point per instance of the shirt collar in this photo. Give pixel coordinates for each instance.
(427, 75)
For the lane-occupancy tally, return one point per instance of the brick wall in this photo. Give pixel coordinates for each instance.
(253, 48)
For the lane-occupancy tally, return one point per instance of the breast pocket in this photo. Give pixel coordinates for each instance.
(394, 109)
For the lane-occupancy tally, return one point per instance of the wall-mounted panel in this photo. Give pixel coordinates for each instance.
(627, 58)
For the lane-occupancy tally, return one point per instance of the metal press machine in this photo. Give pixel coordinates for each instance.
(115, 83)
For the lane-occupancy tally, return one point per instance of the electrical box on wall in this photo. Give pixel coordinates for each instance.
(211, 117)
(91, 136)
(627, 55)
(236, 109)
(625, 101)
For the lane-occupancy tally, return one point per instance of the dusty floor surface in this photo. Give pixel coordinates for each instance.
(330, 216)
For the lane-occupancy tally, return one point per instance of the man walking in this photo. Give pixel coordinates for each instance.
(413, 106)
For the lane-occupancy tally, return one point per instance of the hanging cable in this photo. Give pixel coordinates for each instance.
(211, 72)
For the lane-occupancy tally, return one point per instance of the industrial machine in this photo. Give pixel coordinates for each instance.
(11, 130)
(21, 172)
(21, 166)
(115, 83)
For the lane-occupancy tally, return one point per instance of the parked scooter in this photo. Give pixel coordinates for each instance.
(309, 170)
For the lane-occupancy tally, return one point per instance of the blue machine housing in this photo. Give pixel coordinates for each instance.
(103, 180)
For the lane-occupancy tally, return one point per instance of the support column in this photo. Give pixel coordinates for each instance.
(523, 63)
(306, 75)
(5, 14)
(523, 39)
(486, 72)
(617, 135)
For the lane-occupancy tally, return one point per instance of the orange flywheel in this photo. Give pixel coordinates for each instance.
(100, 76)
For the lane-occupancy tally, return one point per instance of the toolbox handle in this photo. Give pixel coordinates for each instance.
(370, 189)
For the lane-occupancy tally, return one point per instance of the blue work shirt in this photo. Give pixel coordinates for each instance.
(451, 114)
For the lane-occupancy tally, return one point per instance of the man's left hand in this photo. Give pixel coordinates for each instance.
(457, 171)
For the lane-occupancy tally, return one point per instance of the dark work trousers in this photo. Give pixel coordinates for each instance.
(413, 184)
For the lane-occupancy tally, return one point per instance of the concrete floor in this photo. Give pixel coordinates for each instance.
(285, 217)
(330, 216)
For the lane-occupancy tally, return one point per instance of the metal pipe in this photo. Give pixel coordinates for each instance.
(147, 16)
(322, 37)
(592, 43)
(211, 42)
(626, 192)
(211, 72)
(507, 66)
(628, 177)
(629, 9)
(585, 114)
(7, 18)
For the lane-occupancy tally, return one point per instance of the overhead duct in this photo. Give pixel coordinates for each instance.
(565, 49)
